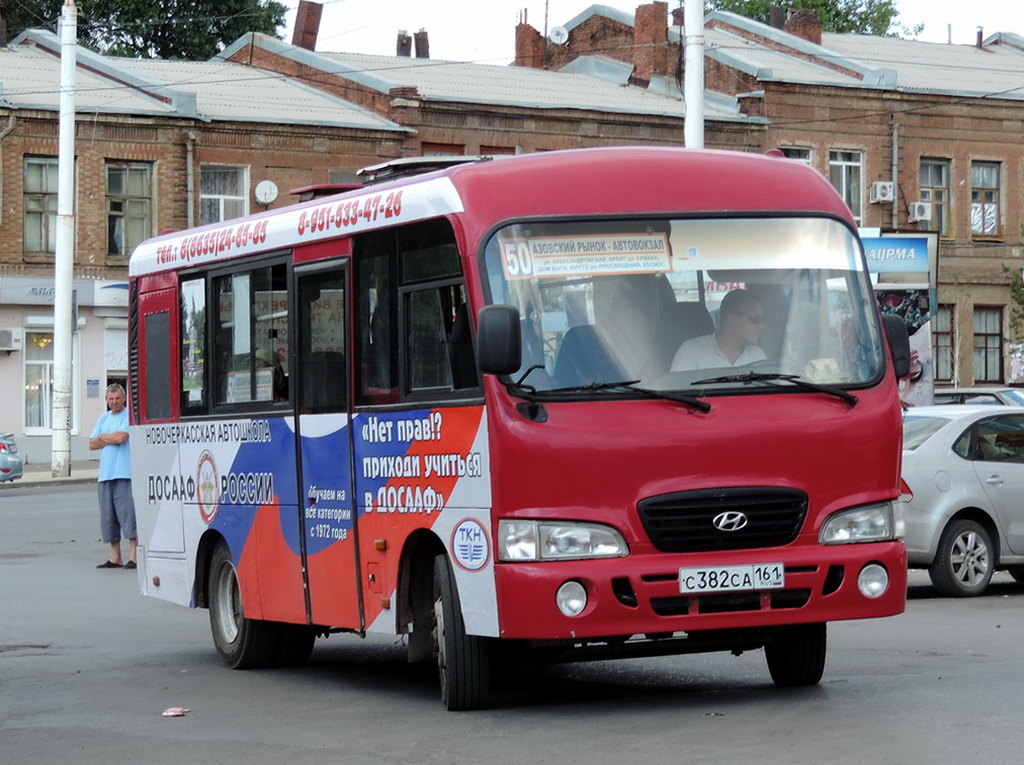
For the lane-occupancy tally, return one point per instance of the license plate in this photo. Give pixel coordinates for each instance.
(757, 576)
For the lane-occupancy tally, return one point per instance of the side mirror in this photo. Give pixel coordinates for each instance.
(498, 348)
(899, 343)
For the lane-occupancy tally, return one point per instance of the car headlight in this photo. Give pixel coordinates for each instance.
(874, 523)
(557, 540)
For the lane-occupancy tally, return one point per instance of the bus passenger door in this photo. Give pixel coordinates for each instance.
(319, 385)
(157, 379)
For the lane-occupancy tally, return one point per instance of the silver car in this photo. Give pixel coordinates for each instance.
(963, 503)
(10, 460)
(991, 395)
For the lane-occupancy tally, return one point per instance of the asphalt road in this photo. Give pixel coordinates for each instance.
(88, 666)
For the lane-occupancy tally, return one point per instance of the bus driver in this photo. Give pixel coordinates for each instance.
(736, 341)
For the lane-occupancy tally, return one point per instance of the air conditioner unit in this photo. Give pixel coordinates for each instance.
(10, 339)
(882, 191)
(919, 211)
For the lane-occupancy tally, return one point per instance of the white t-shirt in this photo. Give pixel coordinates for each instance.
(703, 353)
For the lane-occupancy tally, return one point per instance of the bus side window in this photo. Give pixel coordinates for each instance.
(376, 344)
(409, 294)
(250, 332)
(322, 385)
(193, 345)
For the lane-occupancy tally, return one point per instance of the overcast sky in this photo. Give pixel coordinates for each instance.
(484, 30)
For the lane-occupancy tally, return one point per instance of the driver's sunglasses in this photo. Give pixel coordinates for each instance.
(754, 318)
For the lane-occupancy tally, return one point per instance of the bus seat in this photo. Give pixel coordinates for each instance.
(583, 358)
(678, 323)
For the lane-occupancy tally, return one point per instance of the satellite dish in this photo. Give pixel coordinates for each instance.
(558, 35)
(266, 192)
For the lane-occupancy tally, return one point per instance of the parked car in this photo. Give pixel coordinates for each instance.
(983, 395)
(10, 460)
(963, 476)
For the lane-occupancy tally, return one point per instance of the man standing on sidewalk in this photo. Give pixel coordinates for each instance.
(117, 509)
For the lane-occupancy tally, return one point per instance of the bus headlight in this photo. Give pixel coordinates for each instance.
(557, 540)
(873, 523)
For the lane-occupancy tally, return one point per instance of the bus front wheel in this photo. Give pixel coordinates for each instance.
(462, 660)
(241, 643)
(796, 654)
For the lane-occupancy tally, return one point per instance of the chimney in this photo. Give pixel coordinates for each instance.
(422, 44)
(404, 47)
(650, 40)
(981, 38)
(777, 17)
(804, 23)
(529, 46)
(307, 25)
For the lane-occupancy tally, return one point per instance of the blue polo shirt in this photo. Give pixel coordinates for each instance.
(115, 459)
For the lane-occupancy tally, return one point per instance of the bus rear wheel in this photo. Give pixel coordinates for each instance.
(796, 654)
(462, 660)
(241, 643)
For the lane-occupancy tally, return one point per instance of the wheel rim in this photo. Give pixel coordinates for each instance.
(229, 603)
(439, 646)
(969, 558)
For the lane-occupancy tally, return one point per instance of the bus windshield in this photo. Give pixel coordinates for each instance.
(703, 305)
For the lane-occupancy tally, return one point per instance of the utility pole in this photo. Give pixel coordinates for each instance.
(693, 73)
(60, 420)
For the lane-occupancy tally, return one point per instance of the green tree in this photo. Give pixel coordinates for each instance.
(866, 17)
(183, 29)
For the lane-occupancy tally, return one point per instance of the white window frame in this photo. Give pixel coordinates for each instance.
(44, 220)
(44, 325)
(798, 153)
(846, 174)
(222, 200)
(132, 204)
(937, 196)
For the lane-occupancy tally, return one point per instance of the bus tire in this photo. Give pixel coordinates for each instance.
(462, 660)
(796, 654)
(241, 643)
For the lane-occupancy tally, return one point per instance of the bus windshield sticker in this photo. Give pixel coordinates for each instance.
(586, 255)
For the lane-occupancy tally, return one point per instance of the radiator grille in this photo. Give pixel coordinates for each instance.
(684, 521)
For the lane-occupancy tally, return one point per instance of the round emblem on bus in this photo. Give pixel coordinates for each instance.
(730, 520)
(207, 487)
(470, 546)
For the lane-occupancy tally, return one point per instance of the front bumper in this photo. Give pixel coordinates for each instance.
(640, 594)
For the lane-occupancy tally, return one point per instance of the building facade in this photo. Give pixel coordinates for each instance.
(915, 136)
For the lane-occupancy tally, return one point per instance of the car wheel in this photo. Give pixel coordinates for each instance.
(796, 654)
(964, 562)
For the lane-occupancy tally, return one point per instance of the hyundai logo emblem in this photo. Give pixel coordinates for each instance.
(729, 521)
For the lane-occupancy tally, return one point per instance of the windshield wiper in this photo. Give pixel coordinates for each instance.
(631, 385)
(774, 377)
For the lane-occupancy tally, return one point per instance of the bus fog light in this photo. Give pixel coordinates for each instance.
(571, 598)
(873, 580)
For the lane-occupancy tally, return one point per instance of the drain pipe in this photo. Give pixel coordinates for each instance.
(895, 171)
(190, 181)
(3, 134)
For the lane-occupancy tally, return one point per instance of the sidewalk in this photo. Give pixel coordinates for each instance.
(40, 474)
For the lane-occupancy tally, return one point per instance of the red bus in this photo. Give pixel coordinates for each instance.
(495, 406)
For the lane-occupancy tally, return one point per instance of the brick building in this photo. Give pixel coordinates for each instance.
(915, 136)
(167, 144)
(164, 145)
(159, 145)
